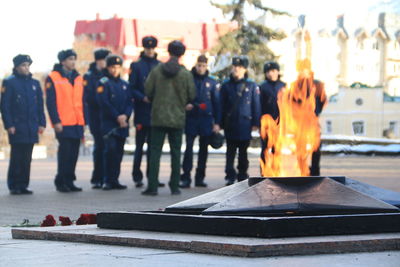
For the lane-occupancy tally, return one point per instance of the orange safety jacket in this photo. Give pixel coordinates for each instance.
(69, 99)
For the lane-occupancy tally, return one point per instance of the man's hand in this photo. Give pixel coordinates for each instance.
(58, 127)
(216, 128)
(146, 99)
(122, 121)
(11, 130)
(189, 107)
(41, 129)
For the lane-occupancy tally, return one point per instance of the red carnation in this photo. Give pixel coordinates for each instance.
(139, 127)
(203, 106)
(86, 218)
(48, 221)
(65, 220)
(82, 220)
(92, 219)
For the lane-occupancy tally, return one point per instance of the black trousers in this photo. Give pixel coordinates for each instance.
(243, 163)
(142, 136)
(19, 168)
(98, 159)
(315, 159)
(113, 153)
(67, 156)
(187, 164)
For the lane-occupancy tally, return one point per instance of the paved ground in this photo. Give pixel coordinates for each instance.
(379, 171)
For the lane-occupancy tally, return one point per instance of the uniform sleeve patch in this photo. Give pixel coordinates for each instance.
(103, 80)
(100, 89)
(48, 85)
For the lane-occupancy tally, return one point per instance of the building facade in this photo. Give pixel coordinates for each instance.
(368, 112)
(343, 51)
(124, 37)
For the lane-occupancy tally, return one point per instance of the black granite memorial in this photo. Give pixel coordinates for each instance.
(274, 207)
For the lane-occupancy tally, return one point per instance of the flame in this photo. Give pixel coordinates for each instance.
(293, 137)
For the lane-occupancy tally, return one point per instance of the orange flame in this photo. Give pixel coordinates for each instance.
(296, 133)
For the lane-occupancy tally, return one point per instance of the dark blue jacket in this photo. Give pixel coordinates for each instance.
(269, 97)
(206, 111)
(237, 122)
(320, 97)
(91, 79)
(74, 131)
(22, 108)
(138, 73)
(115, 99)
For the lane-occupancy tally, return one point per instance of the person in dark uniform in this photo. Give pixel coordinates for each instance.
(320, 102)
(138, 73)
(240, 103)
(23, 117)
(201, 120)
(90, 80)
(65, 104)
(269, 90)
(115, 101)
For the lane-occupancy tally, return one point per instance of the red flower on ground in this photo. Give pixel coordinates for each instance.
(86, 218)
(65, 220)
(49, 221)
(92, 219)
(203, 106)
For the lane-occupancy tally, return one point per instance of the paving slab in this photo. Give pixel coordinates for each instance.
(218, 245)
(26, 252)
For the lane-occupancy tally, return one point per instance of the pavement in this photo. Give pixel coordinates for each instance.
(379, 171)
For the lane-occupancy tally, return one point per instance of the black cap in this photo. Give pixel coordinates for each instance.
(202, 59)
(113, 60)
(176, 48)
(19, 59)
(64, 54)
(101, 53)
(149, 42)
(216, 140)
(271, 65)
(240, 61)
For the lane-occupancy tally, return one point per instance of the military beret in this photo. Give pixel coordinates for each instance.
(202, 59)
(271, 65)
(64, 54)
(240, 61)
(101, 53)
(19, 59)
(176, 48)
(149, 42)
(113, 60)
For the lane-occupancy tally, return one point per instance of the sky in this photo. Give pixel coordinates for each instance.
(41, 28)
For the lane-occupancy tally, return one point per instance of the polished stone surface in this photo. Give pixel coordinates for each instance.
(232, 246)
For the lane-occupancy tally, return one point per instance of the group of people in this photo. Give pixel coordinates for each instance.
(165, 98)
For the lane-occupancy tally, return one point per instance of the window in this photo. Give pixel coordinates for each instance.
(393, 126)
(360, 44)
(375, 45)
(359, 101)
(328, 125)
(360, 67)
(358, 128)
